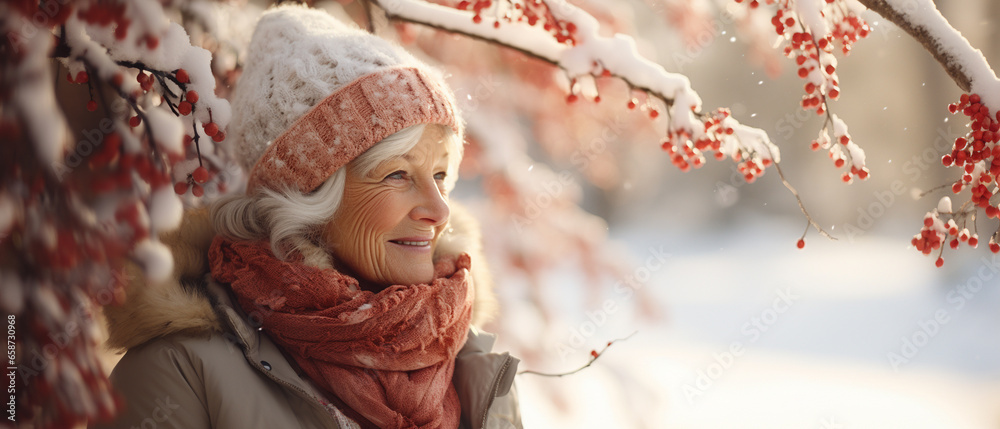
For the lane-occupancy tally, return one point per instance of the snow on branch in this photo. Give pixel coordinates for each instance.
(965, 64)
(582, 54)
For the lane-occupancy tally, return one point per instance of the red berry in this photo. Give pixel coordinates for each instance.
(92, 106)
(594, 354)
(82, 77)
(844, 140)
(200, 174)
(834, 94)
(571, 98)
(597, 99)
(134, 121)
(830, 69)
(181, 188)
(496, 24)
(197, 190)
(801, 243)
(477, 19)
(974, 241)
(184, 108)
(182, 76)
(994, 247)
(939, 262)
(121, 30)
(211, 129)
(219, 136)
(118, 79)
(653, 113)
(803, 72)
(928, 221)
(192, 96)
(631, 104)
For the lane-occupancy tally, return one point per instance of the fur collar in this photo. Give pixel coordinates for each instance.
(182, 304)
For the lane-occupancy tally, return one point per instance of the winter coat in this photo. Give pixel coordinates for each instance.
(195, 360)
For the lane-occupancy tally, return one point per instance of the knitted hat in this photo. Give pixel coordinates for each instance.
(316, 93)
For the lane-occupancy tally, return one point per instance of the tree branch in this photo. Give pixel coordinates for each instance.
(924, 34)
(594, 355)
(626, 64)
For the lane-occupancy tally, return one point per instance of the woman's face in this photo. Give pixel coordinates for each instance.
(388, 223)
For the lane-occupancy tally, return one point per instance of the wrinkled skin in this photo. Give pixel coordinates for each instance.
(388, 223)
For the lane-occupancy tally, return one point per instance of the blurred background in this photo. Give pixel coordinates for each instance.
(734, 326)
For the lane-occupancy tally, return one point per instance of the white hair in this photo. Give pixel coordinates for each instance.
(293, 221)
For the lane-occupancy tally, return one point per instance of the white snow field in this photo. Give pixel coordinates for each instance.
(755, 333)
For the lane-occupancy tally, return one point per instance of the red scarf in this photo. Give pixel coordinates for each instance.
(389, 356)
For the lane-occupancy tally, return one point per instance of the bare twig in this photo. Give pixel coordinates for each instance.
(924, 194)
(594, 355)
(802, 206)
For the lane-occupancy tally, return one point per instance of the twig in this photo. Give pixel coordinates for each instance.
(594, 355)
(802, 206)
(924, 194)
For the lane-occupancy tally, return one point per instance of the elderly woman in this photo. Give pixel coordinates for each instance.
(341, 290)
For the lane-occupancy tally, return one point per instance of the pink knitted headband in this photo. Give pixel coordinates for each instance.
(349, 122)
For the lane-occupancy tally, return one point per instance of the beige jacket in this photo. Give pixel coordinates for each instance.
(195, 360)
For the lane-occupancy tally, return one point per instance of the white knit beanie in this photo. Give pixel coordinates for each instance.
(316, 93)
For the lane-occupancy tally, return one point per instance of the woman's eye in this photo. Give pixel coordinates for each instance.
(440, 176)
(396, 175)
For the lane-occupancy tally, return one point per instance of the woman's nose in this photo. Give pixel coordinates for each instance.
(432, 206)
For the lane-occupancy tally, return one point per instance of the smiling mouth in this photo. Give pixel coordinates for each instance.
(410, 243)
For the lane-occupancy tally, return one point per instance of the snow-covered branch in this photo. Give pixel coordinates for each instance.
(964, 63)
(584, 54)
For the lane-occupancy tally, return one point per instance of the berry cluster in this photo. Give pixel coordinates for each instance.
(532, 12)
(73, 216)
(936, 230)
(843, 152)
(817, 65)
(718, 138)
(105, 13)
(977, 154)
(182, 103)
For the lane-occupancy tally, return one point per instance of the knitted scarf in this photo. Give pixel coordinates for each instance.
(389, 356)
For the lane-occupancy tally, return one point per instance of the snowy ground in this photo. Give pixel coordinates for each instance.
(756, 333)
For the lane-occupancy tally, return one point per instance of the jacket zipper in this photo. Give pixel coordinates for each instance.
(495, 388)
(260, 368)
